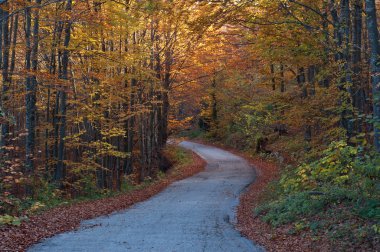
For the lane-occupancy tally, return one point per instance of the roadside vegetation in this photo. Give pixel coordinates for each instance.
(14, 210)
(336, 196)
(64, 214)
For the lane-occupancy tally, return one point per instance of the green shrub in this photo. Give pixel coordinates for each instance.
(340, 165)
(291, 208)
(336, 195)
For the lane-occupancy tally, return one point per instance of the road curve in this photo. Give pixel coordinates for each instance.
(194, 214)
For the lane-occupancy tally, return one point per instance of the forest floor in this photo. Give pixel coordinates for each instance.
(68, 217)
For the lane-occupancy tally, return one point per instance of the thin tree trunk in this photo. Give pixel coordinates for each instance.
(5, 73)
(14, 45)
(282, 78)
(302, 82)
(357, 87)
(1, 37)
(214, 103)
(272, 72)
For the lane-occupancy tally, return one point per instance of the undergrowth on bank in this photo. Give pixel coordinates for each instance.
(335, 196)
(14, 210)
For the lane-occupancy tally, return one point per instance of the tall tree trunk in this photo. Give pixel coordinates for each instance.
(1, 36)
(343, 58)
(165, 95)
(373, 37)
(5, 72)
(31, 85)
(14, 45)
(130, 130)
(357, 87)
(214, 103)
(63, 74)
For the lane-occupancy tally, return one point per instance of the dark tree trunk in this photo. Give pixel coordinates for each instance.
(373, 37)
(311, 72)
(14, 45)
(6, 81)
(1, 36)
(165, 95)
(130, 124)
(343, 57)
(272, 72)
(63, 74)
(31, 85)
(214, 103)
(301, 79)
(357, 87)
(282, 72)
(130, 130)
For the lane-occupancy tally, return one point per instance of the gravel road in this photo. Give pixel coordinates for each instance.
(194, 214)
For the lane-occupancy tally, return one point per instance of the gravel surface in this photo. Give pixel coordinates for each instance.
(194, 214)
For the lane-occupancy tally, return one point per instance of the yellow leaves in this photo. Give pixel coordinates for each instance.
(36, 206)
(106, 149)
(341, 179)
(113, 132)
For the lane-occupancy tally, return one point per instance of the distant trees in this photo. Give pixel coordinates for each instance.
(334, 48)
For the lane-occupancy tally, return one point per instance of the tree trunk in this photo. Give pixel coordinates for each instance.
(302, 82)
(63, 74)
(14, 45)
(357, 87)
(272, 72)
(31, 85)
(214, 103)
(5, 71)
(282, 78)
(373, 37)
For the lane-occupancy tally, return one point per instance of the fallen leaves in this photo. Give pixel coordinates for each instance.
(66, 218)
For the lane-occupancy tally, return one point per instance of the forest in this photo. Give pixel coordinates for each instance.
(92, 91)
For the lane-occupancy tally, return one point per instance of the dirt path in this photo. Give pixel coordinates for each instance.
(194, 214)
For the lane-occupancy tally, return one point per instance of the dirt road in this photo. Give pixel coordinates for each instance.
(194, 214)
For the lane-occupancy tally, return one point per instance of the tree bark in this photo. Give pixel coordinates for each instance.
(5, 72)
(373, 37)
(282, 73)
(31, 85)
(63, 75)
(272, 72)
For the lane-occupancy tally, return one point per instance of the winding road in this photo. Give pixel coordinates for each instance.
(194, 214)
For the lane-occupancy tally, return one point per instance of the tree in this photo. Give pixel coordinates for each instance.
(373, 36)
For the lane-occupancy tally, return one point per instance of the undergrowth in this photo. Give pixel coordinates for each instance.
(14, 210)
(336, 196)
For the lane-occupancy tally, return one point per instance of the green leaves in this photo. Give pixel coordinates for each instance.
(11, 220)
